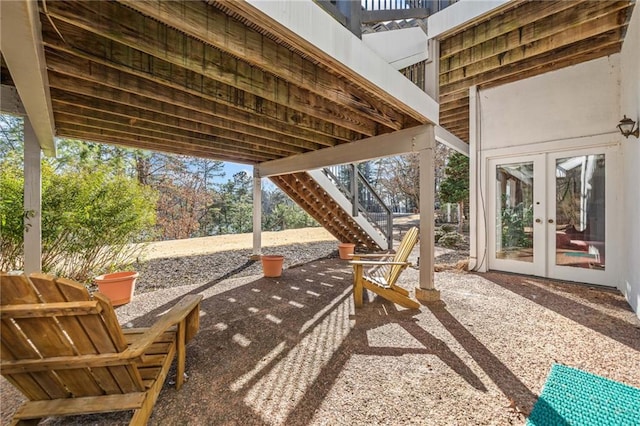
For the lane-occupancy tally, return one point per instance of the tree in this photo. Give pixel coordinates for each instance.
(279, 212)
(11, 136)
(455, 186)
(186, 191)
(89, 219)
(75, 155)
(233, 208)
(401, 179)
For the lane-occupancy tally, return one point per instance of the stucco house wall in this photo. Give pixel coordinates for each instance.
(630, 105)
(574, 107)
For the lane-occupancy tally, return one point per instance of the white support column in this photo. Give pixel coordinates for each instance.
(426, 292)
(432, 80)
(257, 215)
(32, 201)
(477, 240)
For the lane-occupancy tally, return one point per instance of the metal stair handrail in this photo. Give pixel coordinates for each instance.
(364, 198)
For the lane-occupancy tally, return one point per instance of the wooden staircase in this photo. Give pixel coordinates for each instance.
(315, 200)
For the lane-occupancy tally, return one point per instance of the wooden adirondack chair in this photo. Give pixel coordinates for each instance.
(381, 278)
(65, 351)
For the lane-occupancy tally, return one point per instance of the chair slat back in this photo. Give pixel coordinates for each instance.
(402, 254)
(53, 335)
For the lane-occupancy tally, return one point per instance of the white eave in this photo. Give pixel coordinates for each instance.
(22, 49)
(309, 22)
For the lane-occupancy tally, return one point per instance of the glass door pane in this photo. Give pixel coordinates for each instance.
(580, 211)
(514, 208)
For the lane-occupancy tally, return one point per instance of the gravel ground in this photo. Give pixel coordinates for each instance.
(293, 350)
(162, 273)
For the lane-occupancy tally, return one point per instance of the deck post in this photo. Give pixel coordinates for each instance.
(257, 215)
(432, 83)
(426, 292)
(32, 201)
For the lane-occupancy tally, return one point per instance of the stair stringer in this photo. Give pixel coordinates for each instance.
(321, 178)
(315, 200)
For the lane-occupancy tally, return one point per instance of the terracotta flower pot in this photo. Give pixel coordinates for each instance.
(272, 265)
(346, 249)
(118, 286)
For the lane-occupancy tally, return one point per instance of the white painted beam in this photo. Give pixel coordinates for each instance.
(400, 142)
(257, 215)
(458, 14)
(310, 22)
(10, 102)
(32, 201)
(452, 141)
(21, 45)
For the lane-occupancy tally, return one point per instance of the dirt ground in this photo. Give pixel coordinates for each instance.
(218, 243)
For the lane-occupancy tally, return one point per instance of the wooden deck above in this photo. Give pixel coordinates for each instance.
(208, 79)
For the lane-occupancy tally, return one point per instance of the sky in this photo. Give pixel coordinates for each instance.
(230, 169)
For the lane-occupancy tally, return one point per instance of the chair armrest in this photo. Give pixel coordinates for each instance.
(175, 315)
(178, 313)
(371, 256)
(377, 263)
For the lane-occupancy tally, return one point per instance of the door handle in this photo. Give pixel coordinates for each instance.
(538, 220)
(550, 221)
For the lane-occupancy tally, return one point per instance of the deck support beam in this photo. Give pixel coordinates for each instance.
(399, 142)
(32, 201)
(257, 215)
(21, 45)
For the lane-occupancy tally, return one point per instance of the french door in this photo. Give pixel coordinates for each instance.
(553, 215)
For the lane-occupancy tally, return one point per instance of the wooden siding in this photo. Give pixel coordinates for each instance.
(522, 40)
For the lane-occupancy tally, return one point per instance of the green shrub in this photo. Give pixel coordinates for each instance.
(447, 227)
(11, 217)
(287, 216)
(439, 233)
(452, 240)
(89, 220)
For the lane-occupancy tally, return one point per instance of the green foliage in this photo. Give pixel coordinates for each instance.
(447, 228)
(232, 212)
(11, 136)
(89, 219)
(452, 240)
(287, 216)
(280, 212)
(455, 186)
(514, 221)
(11, 216)
(74, 155)
(98, 197)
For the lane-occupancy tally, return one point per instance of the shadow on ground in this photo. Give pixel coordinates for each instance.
(292, 350)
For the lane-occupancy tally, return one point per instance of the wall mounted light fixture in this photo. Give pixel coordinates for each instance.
(626, 127)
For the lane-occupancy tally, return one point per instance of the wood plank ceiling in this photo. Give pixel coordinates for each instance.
(521, 40)
(208, 79)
